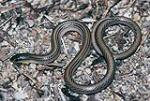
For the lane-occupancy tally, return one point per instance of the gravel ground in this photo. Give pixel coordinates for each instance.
(27, 25)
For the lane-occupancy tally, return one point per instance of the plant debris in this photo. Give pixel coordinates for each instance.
(27, 25)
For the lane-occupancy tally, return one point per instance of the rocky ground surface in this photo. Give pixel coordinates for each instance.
(27, 25)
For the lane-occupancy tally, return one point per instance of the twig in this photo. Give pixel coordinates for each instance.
(109, 8)
(3, 90)
(143, 40)
(5, 22)
(36, 88)
(65, 49)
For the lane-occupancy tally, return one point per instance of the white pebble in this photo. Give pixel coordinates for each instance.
(115, 48)
(20, 95)
(30, 23)
(4, 43)
(148, 18)
(33, 66)
(148, 78)
(88, 70)
(76, 46)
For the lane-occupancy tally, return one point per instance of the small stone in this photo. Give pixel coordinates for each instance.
(88, 70)
(20, 95)
(136, 64)
(33, 66)
(124, 89)
(79, 73)
(84, 97)
(115, 48)
(148, 18)
(148, 78)
(15, 85)
(30, 23)
(29, 0)
(14, 25)
(4, 43)
(128, 13)
(76, 46)
(137, 17)
(88, 20)
(13, 1)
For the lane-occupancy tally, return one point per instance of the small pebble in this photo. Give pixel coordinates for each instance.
(30, 23)
(88, 70)
(20, 95)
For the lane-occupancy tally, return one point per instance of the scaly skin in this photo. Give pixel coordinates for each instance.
(99, 45)
(59, 31)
